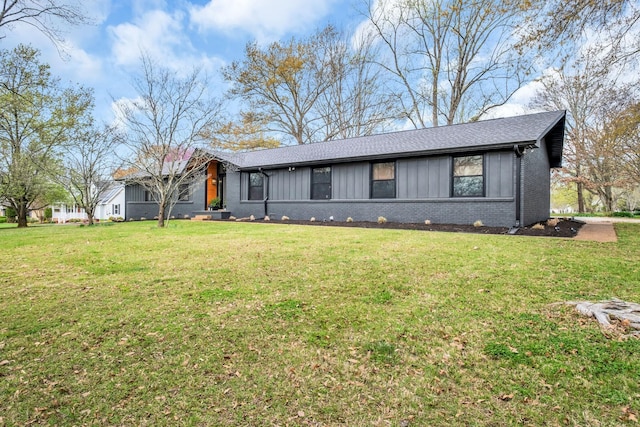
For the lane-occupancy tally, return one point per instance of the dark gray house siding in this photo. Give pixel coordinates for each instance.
(350, 181)
(290, 185)
(423, 192)
(137, 207)
(536, 185)
(423, 178)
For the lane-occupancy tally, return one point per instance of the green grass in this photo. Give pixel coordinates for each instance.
(263, 324)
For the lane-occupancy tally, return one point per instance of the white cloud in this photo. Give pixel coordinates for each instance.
(82, 66)
(385, 12)
(156, 33)
(264, 20)
(72, 63)
(520, 102)
(162, 37)
(118, 106)
(97, 10)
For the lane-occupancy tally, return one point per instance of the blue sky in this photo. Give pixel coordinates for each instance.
(179, 34)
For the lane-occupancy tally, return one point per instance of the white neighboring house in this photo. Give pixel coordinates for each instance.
(111, 203)
(62, 213)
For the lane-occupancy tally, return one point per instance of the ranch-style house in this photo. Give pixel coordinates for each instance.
(497, 171)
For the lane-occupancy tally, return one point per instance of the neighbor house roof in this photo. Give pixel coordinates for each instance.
(527, 130)
(110, 192)
(169, 167)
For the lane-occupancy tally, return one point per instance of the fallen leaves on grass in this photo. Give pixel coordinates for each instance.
(628, 415)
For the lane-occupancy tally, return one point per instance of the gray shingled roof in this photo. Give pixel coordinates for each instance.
(481, 135)
(110, 192)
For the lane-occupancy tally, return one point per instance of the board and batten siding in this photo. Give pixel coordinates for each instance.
(416, 178)
(134, 193)
(350, 181)
(423, 178)
(499, 174)
(290, 185)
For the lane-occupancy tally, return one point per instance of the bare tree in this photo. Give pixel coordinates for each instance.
(594, 151)
(606, 177)
(628, 130)
(609, 32)
(562, 25)
(310, 90)
(353, 104)
(450, 60)
(87, 165)
(282, 84)
(43, 15)
(164, 128)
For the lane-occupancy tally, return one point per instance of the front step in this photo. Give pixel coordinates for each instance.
(209, 215)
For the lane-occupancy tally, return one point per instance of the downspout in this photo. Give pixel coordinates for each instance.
(519, 153)
(266, 198)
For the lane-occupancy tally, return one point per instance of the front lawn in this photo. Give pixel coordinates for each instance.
(262, 324)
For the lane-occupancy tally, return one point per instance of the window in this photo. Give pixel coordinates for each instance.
(321, 183)
(148, 197)
(115, 209)
(183, 192)
(383, 180)
(468, 178)
(256, 186)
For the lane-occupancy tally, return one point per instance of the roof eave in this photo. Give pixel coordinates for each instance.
(389, 156)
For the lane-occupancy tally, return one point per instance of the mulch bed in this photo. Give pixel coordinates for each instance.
(564, 228)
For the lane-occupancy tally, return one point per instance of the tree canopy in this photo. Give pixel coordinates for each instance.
(313, 89)
(38, 117)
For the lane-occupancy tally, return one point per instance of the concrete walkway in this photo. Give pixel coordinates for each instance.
(600, 229)
(597, 232)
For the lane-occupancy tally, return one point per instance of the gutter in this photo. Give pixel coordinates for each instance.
(519, 150)
(266, 198)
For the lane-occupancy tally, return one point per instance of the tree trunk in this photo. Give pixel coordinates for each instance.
(608, 198)
(580, 197)
(89, 215)
(161, 209)
(434, 101)
(21, 211)
(580, 190)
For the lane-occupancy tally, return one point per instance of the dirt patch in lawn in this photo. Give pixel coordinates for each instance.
(563, 228)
